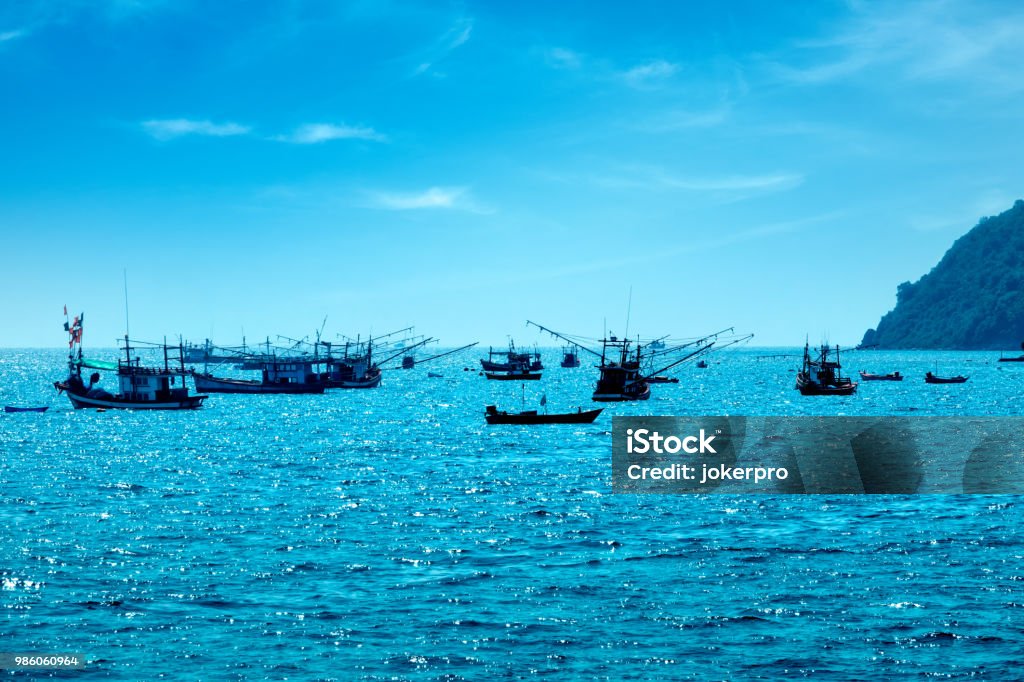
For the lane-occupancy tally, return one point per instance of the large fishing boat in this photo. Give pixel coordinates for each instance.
(626, 370)
(822, 375)
(140, 388)
(514, 360)
(280, 375)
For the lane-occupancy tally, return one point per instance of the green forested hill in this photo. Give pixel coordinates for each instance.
(973, 299)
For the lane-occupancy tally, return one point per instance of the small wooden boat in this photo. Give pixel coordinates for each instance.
(892, 376)
(10, 409)
(494, 416)
(434, 375)
(702, 364)
(207, 383)
(930, 378)
(1019, 358)
(521, 375)
(821, 376)
(660, 379)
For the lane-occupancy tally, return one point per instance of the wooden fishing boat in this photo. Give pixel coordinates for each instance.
(660, 379)
(11, 409)
(822, 376)
(495, 416)
(570, 357)
(208, 383)
(1019, 358)
(702, 364)
(514, 360)
(141, 388)
(930, 378)
(892, 376)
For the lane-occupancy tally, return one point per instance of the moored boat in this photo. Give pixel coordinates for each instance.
(570, 357)
(11, 409)
(210, 384)
(930, 378)
(660, 379)
(822, 376)
(514, 360)
(140, 388)
(515, 375)
(495, 416)
(891, 376)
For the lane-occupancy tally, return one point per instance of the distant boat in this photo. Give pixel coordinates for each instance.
(892, 376)
(494, 416)
(1019, 358)
(570, 357)
(434, 375)
(662, 380)
(702, 364)
(141, 388)
(822, 376)
(10, 408)
(514, 360)
(518, 375)
(280, 384)
(932, 379)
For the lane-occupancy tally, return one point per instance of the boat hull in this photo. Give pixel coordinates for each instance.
(372, 382)
(880, 377)
(513, 376)
(10, 409)
(945, 380)
(814, 388)
(581, 417)
(80, 402)
(622, 397)
(211, 384)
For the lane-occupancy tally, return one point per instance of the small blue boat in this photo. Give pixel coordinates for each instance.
(10, 408)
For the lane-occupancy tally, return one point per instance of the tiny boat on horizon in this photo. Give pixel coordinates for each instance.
(10, 409)
(661, 379)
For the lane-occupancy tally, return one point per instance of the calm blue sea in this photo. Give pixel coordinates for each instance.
(390, 534)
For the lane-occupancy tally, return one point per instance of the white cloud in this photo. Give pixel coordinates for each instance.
(921, 41)
(166, 129)
(314, 133)
(649, 74)
(452, 198)
(453, 38)
(562, 58)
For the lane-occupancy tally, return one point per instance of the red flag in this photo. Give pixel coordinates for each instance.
(65, 310)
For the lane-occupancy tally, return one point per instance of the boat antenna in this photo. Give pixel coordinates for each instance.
(127, 331)
(629, 309)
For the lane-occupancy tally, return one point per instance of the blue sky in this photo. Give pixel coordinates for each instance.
(777, 167)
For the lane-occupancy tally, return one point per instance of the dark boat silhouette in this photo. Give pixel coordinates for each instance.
(822, 376)
(12, 409)
(930, 378)
(892, 376)
(495, 416)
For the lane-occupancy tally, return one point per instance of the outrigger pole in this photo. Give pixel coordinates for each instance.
(435, 357)
(564, 338)
(404, 350)
(700, 351)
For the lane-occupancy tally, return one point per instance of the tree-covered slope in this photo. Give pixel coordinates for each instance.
(973, 299)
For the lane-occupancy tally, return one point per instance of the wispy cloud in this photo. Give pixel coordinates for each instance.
(170, 128)
(563, 58)
(12, 35)
(924, 41)
(315, 133)
(453, 38)
(650, 74)
(682, 119)
(452, 198)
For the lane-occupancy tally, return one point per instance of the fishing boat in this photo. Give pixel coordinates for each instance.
(514, 375)
(410, 361)
(10, 409)
(661, 379)
(822, 375)
(891, 376)
(930, 378)
(140, 388)
(702, 364)
(495, 416)
(514, 360)
(621, 375)
(570, 357)
(278, 377)
(434, 375)
(1019, 358)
